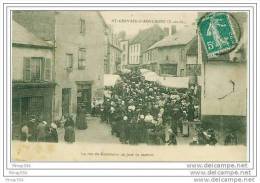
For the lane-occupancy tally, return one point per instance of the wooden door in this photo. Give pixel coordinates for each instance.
(84, 97)
(66, 95)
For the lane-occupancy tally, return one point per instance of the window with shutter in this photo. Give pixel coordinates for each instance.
(26, 69)
(36, 68)
(47, 71)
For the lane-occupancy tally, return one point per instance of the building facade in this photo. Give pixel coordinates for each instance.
(224, 87)
(32, 79)
(79, 38)
(141, 42)
(79, 60)
(124, 45)
(170, 55)
(135, 54)
(112, 62)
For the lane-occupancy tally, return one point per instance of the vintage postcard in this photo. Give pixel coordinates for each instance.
(100, 85)
(131, 78)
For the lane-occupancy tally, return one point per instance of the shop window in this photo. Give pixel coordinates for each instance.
(193, 69)
(182, 72)
(168, 69)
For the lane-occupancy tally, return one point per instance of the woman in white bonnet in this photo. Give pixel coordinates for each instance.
(52, 134)
(148, 118)
(172, 138)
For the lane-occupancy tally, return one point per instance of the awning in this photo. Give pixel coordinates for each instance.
(144, 71)
(126, 71)
(107, 93)
(174, 82)
(111, 79)
(149, 75)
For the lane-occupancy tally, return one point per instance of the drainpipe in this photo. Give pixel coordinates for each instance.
(54, 69)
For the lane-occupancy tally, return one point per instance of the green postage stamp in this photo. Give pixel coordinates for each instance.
(217, 33)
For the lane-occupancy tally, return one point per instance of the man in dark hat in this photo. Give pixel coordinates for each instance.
(172, 138)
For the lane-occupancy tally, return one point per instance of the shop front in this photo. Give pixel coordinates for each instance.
(84, 95)
(31, 100)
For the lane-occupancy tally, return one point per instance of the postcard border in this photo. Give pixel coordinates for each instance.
(254, 79)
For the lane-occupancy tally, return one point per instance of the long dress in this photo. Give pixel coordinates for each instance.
(41, 132)
(69, 131)
(24, 133)
(53, 135)
(69, 134)
(123, 129)
(81, 122)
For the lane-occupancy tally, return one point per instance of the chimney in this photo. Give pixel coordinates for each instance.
(166, 31)
(173, 29)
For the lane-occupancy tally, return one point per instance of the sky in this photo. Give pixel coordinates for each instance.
(133, 21)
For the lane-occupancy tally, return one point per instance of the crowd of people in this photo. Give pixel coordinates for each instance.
(204, 137)
(37, 130)
(140, 111)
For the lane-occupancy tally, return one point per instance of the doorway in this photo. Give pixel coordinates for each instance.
(66, 96)
(84, 96)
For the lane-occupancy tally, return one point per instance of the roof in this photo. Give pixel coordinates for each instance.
(111, 79)
(148, 36)
(39, 22)
(102, 19)
(22, 36)
(149, 75)
(181, 37)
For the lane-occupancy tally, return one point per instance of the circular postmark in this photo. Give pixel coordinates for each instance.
(219, 32)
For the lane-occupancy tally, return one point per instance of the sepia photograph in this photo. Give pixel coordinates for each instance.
(129, 85)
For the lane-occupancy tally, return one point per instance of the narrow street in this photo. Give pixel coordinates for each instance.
(98, 132)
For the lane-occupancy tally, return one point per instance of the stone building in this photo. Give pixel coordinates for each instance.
(224, 87)
(169, 56)
(124, 45)
(79, 38)
(141, 42)
(32, 78)
(112, 62)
